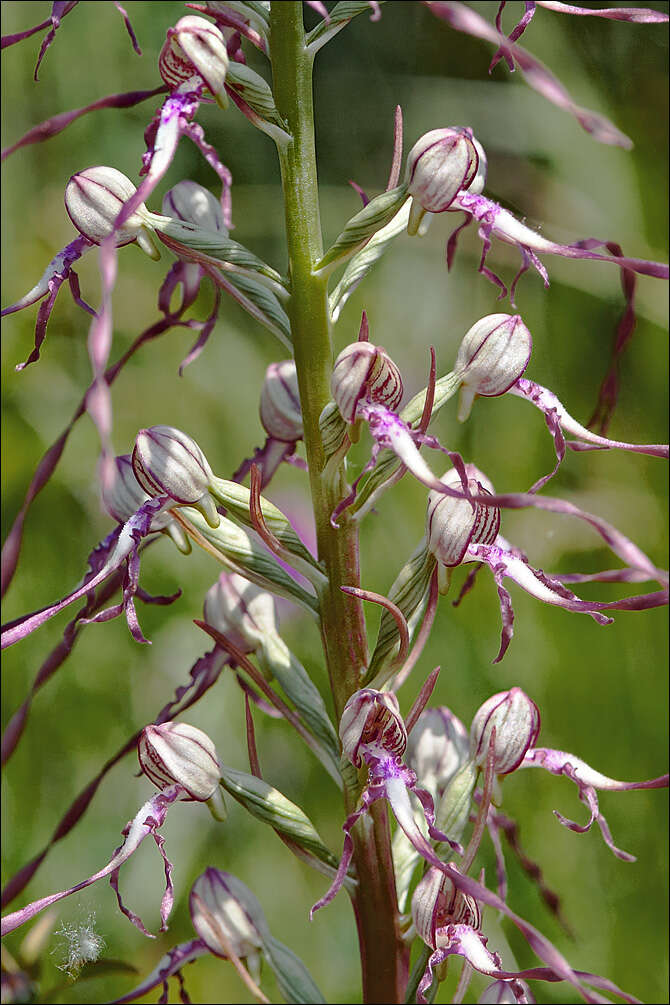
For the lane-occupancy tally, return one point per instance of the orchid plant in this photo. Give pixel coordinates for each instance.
(273, 549)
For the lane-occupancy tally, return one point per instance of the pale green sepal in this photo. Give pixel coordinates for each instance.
(365, 260)
(338, 18)
(216, 805)
(409, 592)
(272, 807)
(362, 226)
(303, 693)
(294, 979)
(236, 499)
(147, 243)
(243, 554)
(452, 812)
(175, 531)
(372, 487)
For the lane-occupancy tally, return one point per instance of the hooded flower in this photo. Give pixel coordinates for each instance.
(373, 733)
(461, 527)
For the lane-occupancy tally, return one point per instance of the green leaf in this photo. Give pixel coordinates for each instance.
(409, 592)
(294, 979)
(365, 260)
(236, 499)
(360, 228)
(213, 248)
(272, 807)
(338, 18)
(261, 303)
(241, 553)
(303, 693)
(333, 429)
(254, 90)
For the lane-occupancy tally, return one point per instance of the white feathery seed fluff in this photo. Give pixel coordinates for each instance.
(79, 944)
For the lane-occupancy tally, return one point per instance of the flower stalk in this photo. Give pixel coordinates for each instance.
(382, 953)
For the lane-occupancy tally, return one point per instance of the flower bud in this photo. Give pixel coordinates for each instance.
(478, 183)
(124, 496)
(439, 165)
(168, 462)
(194, 204)
(491, 357)
(436, 748)
(517, 723)
(241, 611)
(175, 753)
(371, 719)
(365, 372)
(93, 200)
(195, 48)
(436, 903)
(280, 402)
(226, 914)
(454, 524)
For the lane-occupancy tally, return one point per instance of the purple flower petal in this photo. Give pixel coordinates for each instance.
(516, 32)
(129, 27)
(58, 270)
(148, 819)
(498, 222)
(57, 123)
(465, 19)
(169, 965)
(557, 762)
(122, 544)
(557, 416)
(639, 15)
(203, 675)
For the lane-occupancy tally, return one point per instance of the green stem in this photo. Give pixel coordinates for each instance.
(343, 627)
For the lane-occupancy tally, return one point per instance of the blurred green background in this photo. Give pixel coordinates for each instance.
(602, 691)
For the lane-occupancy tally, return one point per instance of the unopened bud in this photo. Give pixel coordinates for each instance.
(168, 462)
(365, 372)
(95, 197)
(439, 165)
(175, 753)
(371, 723)
(226, 915)
(436, 903)
(195, 48)
(491, 357)
(478, 183)
(241, 611)
(516, 719)
(452, 525)
(436, 748)
(194, 204)
(124, 496)
(280, 402)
